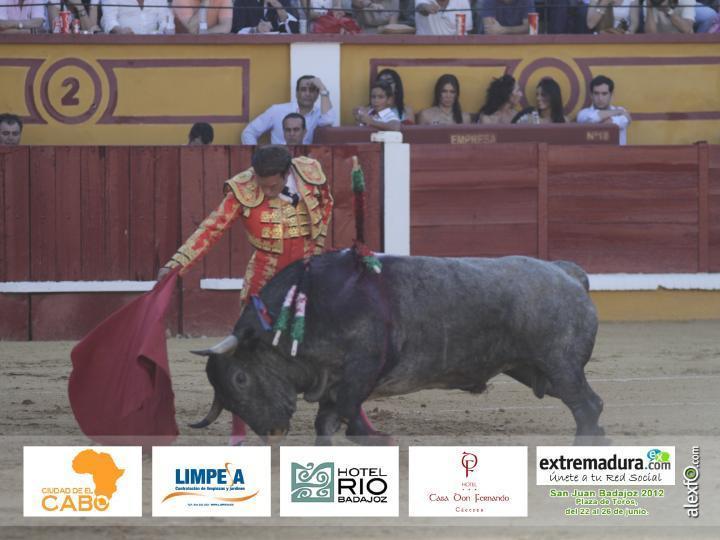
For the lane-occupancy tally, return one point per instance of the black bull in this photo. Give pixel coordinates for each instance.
(423, 323)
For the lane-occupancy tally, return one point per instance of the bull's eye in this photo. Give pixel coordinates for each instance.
(240, 378)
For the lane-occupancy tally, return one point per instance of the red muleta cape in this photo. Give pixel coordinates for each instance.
(120, 388)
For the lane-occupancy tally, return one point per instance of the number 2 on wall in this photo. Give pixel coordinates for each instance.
(70, 98)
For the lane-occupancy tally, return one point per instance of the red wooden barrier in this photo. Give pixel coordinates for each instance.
(714, 209)
(610, 209)
(119, 213)
(474, 201)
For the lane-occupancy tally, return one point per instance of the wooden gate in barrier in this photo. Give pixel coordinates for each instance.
(74, 214)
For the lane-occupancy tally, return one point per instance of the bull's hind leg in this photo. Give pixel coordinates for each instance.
(572, 388)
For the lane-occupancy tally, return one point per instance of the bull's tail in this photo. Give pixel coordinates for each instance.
(574, 271)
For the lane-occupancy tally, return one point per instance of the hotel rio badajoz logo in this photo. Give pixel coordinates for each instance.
(211, 481)
(81, 481)
(346, 481)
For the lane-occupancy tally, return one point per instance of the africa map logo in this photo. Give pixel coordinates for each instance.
(68, 481)
(105, 474)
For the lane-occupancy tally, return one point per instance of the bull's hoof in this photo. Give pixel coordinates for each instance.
(596, 439)
(323, 440)
(376, 439)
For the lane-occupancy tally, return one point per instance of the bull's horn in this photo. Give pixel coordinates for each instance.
(211, 416)
(316, 392)
(227, 345)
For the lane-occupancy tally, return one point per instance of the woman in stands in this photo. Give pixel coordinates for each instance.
(613, 16)
(446, 104)
(397, 102)
(379, 114)
(549, 106)
(501, 101)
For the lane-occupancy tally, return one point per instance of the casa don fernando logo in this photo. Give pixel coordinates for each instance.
(468, 461)
(225, 484)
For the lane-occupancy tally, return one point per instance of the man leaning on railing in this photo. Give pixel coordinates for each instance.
(18, 18)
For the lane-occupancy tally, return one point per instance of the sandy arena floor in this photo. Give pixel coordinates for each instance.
(658, 380)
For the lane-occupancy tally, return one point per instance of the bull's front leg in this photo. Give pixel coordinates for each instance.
(361, 431)
(327, 423)
(360, 375)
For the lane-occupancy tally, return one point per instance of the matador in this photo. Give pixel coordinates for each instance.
(285, 205)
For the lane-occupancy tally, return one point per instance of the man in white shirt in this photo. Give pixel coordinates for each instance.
(668, 17)
(16, 18)
(307, 90)
(135, 16)
(438, 17)
(602, 110)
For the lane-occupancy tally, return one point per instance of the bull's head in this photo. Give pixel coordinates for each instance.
(255, 381)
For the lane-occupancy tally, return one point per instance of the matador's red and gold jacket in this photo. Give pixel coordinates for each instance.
(280, 232)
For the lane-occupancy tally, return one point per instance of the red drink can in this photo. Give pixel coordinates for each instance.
(460, 24)
(533, 24)
(64, 22)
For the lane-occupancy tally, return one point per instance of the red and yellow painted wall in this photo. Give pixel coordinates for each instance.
(148, 90)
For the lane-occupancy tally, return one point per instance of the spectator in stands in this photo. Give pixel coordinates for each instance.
(253, 17)
(549, 105)
(397, 103)
(707, 19)
(505, 16)
(501, 101)
(602, 110)
(331, 17)
(378, 114)
(131, 17)
(218, 16)
(706, 16)
(438, 17)
(613, 16)
(446, 107)
(85, 11)
(665, 16)
(10, 129)
(16, 17)
(201, 133)
(294, 129)
(307, 90)
(566, 17)
(373, 19)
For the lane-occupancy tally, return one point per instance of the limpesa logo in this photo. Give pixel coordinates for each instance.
(75, 498)
(225, 484)
(327, 483)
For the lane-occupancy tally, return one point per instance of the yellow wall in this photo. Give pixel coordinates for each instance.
(168, 91)
(672, 87)
(218, 90)
(657, 305)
